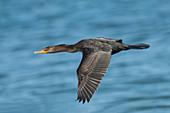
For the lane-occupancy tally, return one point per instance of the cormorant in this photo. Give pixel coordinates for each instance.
(94, 64)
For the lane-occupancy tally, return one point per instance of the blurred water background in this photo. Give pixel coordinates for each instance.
(136, 82)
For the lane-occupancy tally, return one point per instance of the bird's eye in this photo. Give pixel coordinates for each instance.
(46, 49)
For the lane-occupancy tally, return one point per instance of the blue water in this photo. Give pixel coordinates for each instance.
(136, 81)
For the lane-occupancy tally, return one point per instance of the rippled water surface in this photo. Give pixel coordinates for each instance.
(136, 81)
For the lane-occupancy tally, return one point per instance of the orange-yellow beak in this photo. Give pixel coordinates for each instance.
(42, 51)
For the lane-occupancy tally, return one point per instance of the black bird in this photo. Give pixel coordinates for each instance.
(94, 64)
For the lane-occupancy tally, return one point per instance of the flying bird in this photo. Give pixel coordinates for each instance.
(97, 53)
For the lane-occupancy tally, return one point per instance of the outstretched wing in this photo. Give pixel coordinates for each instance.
(90, 72)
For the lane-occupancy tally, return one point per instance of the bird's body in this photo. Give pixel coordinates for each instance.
(96, 58)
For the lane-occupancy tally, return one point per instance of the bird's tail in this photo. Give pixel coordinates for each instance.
(138, 46)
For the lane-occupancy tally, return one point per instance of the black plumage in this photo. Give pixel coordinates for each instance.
(94, 64)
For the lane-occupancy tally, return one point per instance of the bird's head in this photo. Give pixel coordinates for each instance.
(55, 49)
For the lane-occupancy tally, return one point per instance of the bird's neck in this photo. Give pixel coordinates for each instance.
(71, 48)
(65, 48)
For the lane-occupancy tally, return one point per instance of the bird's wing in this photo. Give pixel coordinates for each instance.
(90, 72)
(113, 40)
